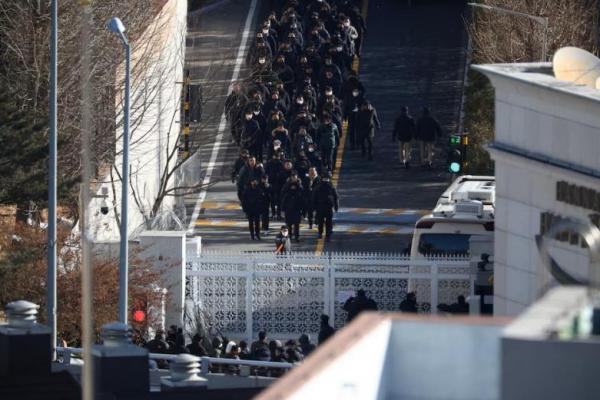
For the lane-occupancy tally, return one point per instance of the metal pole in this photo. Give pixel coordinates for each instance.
(124, 247)
(87, 279)
(51, 309)
(545, 44)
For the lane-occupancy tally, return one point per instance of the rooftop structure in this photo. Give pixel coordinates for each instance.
(397, 356)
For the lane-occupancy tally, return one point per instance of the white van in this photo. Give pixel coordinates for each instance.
(465, 209)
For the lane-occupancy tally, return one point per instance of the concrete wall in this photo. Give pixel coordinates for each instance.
(167, 252)
(438, 360)
(356, 374)
(537, 113)
(535, 366)
(157, 73)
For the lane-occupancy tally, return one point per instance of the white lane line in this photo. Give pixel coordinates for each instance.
(219, 138)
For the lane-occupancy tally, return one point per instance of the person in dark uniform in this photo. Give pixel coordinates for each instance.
(273, 169)
(409, 304)
(325, 330)
(325, 200)
(404, 131)
(428, 130)
(310, 185)
(366, 121)
(328, 138)
(251, 204)
(252, 138)
(359, 303)
(265, 202)
(292, 204)
(251, 170)
(239, 164)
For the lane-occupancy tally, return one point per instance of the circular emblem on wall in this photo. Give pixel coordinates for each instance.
(589, 233)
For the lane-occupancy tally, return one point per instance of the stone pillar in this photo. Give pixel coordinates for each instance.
(25, 345)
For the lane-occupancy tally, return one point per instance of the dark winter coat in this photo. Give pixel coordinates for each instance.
(355, 305)
(237, 167)
(265, 197)
(328, 136)
(428, 129)
(325, 333)
(251, 134)
(252, 201)
(404, 128)
(247, 174)
(292, 203)
(325, 198)
(365, 123)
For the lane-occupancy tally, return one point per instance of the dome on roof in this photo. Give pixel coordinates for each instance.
(576, 65)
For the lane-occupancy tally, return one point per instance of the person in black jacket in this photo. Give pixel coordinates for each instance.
(310, 185)
(292, 204)
(265, 202)
(409, 304)
(239, 164)
(428, 130)
(366, 121)
(251, 170)
(252, 138)
(325, 331)
(325, 200)
(251, 204)
(273, 169)
(404, 131)
(359, 303)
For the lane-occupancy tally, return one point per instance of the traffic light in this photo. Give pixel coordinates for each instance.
(454, 161)
(457, 153)
(139, 311)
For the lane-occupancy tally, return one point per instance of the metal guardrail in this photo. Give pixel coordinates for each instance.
(66, 353)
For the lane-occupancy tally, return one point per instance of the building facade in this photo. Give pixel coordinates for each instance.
(546, 153)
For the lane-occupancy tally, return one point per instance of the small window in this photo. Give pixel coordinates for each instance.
(444, 243)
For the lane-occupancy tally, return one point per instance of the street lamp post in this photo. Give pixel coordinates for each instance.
(115, 25)
(52, 173)
(537, 18)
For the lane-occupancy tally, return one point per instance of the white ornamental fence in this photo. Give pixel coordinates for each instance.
(239, 294)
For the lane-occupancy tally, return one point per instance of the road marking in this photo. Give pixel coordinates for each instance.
(223, 123)
(391, 212)
(340, 152)
(335, 177)
(339, 228)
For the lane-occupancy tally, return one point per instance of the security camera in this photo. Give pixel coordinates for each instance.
(104, 207)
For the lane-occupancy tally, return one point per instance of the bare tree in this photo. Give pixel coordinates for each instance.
(501, 38)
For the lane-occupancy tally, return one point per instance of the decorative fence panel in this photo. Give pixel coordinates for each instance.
(242, 293)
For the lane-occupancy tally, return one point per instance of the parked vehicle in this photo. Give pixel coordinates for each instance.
(465, 209)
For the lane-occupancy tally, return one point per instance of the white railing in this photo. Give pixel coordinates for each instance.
(242, 293)
(66, 353)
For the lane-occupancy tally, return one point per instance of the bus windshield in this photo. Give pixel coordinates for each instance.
(444, 243)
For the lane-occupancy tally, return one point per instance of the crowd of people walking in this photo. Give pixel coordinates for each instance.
(288, 118)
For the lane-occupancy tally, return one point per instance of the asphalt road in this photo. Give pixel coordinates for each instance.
(412, 56)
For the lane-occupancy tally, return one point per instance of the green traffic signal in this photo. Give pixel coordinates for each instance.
(454, 167)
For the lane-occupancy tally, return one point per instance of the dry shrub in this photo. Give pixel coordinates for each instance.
(23, 275)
